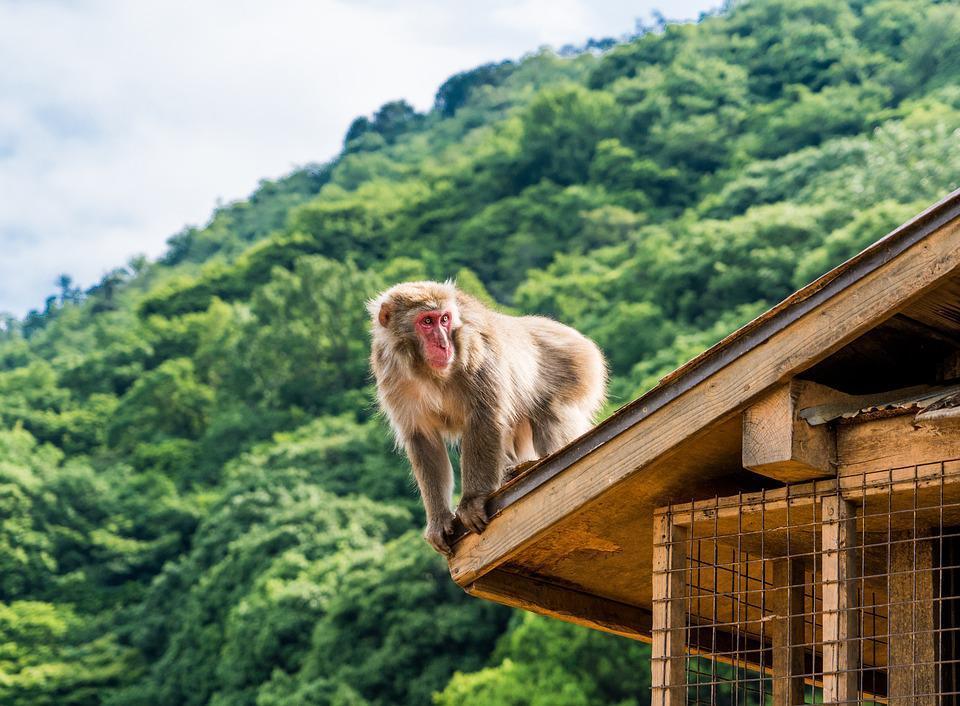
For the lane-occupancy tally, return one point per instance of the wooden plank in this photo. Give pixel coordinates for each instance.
(914, 328)
(895, 443)
(840, 618)
(788, 649)
(563, 603)
(912, 668)
(778, 444)
(668, 665)
(940, 309)
(838, 320)
(905, 484)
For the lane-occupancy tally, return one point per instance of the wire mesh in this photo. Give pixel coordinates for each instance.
(839, 591)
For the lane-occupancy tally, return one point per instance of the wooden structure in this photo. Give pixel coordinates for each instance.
(779, 516)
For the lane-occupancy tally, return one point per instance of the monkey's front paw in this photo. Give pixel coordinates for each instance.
(473, 514)
(439, 533)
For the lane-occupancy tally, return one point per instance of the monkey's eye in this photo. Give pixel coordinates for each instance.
(445, 319)
(427, 321)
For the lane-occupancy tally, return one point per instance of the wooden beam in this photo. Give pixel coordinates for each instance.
(563, 603)
(922, 330)
(939, 309)
(778, 444)
(840, 615)
(912, 668)
(895, 442)
(788, 636)
(598, 471)
(668, 665)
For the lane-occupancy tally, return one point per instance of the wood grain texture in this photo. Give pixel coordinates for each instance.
(668, 664)
(912, 668)
(940, 309)
(563, 603)
(778, 444)
(787, 632)
(840, 616)
(606, 549)
(863, 304)
(897, 442)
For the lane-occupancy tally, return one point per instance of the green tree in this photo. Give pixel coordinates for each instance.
(396, 627)
(543, 662)
(45, 662)
(561, 129)
(306, 343)
(166, 403)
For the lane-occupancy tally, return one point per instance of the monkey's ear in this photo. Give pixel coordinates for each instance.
(386, 311)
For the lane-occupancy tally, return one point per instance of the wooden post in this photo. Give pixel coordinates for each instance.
(840, 619)
(912, 670)
(669, 663)
(788, 639)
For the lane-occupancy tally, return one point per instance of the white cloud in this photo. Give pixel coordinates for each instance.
(120, 122)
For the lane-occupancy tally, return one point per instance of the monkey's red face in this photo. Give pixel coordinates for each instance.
(433, 329)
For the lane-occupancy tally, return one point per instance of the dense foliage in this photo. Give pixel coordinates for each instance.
(197, 502)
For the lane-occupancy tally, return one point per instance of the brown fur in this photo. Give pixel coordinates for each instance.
(518, 388)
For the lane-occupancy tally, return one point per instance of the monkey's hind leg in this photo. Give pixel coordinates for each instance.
(519, 469)
(555, 428)
(522, 454)
(522, 445)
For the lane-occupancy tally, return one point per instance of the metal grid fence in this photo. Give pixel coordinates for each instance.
(839, 591)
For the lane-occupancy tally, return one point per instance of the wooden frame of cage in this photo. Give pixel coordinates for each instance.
(839, 526)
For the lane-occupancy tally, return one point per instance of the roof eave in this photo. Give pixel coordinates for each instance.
(701, 369)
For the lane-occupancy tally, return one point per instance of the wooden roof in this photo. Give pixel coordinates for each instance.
(572, 537)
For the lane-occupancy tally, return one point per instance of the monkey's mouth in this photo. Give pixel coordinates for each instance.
(439, 358)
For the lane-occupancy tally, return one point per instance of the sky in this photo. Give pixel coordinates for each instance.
(123, 121)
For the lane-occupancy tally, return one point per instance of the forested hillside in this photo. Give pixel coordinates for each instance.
(198, 504)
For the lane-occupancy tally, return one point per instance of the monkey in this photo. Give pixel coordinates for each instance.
(508, 389)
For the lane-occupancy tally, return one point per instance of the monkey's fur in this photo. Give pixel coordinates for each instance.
(509, 389)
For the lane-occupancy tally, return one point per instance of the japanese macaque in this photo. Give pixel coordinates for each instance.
(509, 389)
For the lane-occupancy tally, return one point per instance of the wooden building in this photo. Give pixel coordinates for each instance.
(780, 516)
